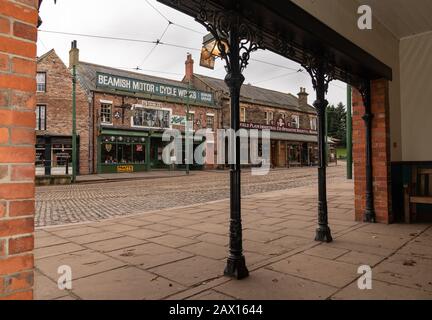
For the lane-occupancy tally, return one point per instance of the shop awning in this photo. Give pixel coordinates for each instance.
(293, 137)
(112, 132)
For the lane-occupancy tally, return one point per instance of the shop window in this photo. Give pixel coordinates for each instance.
(313, 124)
(295, 121)
(210, 121)
(41, 82)
(61, 155)
(122, 150)
(40, 117)
(106, 113)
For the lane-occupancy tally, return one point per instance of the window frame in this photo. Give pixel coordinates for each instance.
(296, 121)
(242, 114)
(313, 123)
(38, 117)
(45, 81)
(106, 103)
(210, 115)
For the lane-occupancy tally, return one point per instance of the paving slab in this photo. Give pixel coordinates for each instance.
(127, 283)
(82, 264)
(381, 291)
(334, 273)
(191, 271)
(114, 244)
(149, 255)
(277, 286)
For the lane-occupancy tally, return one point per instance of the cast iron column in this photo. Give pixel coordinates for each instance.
(323, 232)
(236, 264)
(369, 215)
(320, 72)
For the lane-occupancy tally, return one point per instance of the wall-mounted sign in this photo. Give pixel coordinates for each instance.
(110, 81)
(178, 120)
(122, 169)
(278, 128)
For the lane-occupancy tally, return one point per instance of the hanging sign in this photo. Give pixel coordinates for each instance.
(115, 82)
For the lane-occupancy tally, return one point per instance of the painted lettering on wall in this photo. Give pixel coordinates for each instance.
(104, 80)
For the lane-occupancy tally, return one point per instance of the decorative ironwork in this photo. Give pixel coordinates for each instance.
(220, 24)
(318, 66)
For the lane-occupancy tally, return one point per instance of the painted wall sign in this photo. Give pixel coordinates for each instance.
(277, 128)
(104, 80)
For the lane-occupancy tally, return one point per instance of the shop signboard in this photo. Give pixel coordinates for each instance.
(125, 168)
(278, 128)
(116, 82)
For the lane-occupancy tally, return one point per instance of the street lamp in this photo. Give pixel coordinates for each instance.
(230, 42)
(211, 50)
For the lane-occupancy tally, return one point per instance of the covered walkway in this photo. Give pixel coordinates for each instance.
(180, 253)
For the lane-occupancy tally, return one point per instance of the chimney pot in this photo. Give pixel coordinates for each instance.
(189, 70)
(73, 54)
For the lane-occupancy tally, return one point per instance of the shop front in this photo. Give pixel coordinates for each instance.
(54, 155)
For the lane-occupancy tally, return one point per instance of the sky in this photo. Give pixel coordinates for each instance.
(148, 20)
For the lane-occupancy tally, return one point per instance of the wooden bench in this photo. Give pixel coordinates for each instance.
(419, 191)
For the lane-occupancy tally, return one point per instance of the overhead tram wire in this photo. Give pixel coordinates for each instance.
(278, 77)
(171, 22)
(158, 41)
(151, 42)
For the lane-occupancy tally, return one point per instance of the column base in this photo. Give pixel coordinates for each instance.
(369, 216)
(236, 268)
(323, 234)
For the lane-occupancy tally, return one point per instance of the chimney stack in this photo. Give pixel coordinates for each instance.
(303, 97)
(73, 54)
(189, 68)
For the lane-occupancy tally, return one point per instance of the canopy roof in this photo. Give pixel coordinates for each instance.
(292, 32)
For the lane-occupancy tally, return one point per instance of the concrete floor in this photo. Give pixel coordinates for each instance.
(181, 253)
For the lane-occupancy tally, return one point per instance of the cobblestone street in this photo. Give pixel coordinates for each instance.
(56, 205)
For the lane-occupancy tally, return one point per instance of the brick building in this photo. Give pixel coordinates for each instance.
(292, 121)
(129, 111)
(54, 118)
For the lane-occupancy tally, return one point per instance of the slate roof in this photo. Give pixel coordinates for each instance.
(86, 73)
(259, 95)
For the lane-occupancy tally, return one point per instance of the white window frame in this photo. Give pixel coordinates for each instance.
(269, 116)
(213, 116)
(38, 127)
(243, 118)
(313, 123)
(110, 103)
(39, 83)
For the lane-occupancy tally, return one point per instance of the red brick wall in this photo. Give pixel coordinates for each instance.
(18, 20)
(58, 101)
(380, 153)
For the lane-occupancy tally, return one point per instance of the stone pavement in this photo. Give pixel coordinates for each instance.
(57, 205)
(180, 253)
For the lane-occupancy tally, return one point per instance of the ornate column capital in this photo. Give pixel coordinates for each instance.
(320, 69)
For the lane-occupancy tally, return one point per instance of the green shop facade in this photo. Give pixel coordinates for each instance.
(131, 112)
